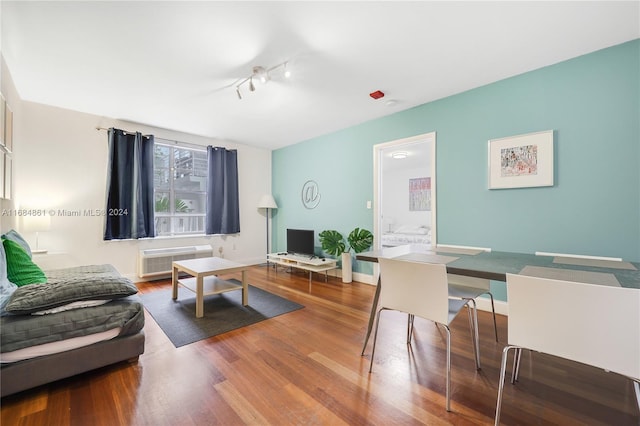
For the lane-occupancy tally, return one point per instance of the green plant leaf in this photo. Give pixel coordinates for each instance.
(162, 205)
(332, 242)
(181, 206)
(360, 240)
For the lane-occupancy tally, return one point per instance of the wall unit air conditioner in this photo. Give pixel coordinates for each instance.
(154, 262)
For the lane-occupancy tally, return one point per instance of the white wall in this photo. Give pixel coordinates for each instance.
(60, 163)
(13, 100)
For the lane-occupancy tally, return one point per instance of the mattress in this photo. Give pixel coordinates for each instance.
(393, 239)
(407, 234)
(57, 347)
(22, 331)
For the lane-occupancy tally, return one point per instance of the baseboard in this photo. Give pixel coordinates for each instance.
(484, 304)
(363, 278)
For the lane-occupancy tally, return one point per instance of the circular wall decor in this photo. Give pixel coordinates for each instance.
(310, 194)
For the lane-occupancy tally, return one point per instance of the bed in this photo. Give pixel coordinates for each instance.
(82, 318)
(407, 234)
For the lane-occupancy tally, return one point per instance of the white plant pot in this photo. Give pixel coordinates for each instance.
(346, 268)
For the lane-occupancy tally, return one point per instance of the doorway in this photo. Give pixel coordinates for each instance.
(405, 192)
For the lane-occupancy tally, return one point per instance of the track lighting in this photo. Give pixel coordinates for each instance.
(262, 74)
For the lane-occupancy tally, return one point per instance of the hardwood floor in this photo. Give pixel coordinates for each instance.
(305, 368)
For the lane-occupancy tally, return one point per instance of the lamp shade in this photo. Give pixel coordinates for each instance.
(267, 202)
(36, 223)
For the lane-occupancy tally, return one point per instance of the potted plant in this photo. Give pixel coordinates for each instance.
(333, 243)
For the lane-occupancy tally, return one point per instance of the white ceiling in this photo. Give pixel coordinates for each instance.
(164, 63)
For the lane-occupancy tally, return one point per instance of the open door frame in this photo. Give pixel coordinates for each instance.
(377, 183)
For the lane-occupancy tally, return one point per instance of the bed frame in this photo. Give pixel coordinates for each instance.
(34, 372)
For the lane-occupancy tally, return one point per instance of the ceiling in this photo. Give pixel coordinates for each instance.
(174, 65)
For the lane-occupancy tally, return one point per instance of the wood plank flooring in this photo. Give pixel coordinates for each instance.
(305, 368)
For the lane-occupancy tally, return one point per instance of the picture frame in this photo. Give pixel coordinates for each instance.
(522, 161)
(420, 194)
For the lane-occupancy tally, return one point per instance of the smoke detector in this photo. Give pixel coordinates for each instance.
(377, 94)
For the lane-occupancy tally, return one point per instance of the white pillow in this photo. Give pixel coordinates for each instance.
(411, 229)
(73, 305)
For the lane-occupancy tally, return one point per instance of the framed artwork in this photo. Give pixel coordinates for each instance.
(522, 161)
(420, 194)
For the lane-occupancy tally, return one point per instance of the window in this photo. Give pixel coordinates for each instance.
(180, 185)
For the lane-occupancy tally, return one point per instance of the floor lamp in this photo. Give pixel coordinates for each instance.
(267, 202)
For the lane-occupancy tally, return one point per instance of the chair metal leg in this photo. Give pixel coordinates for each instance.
(517, 356)
(375, 337)
(448, 387)
(410, 328)
(493, 311)
(473, 325)
(503, 368)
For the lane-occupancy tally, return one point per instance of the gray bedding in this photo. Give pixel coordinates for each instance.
(19, 331)
(79, 271)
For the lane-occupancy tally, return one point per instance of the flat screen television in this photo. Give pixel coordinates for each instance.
(300, 241)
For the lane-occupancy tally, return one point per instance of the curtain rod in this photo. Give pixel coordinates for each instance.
(126, 131)
(167, 141)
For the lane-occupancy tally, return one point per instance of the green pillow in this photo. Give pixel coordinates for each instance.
(14, 236)
(20, 268)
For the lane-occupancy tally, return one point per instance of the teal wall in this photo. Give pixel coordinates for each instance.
(593, 104)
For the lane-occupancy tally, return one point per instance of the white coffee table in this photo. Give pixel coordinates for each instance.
(204, 281)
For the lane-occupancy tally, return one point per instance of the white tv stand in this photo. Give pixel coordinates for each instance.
(307, 263)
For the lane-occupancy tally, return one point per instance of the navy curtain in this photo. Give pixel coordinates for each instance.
(222, 212)
(129, 211)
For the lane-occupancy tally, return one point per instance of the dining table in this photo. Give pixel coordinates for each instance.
(495, 265)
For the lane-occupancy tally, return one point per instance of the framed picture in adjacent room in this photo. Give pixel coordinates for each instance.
(522, 161)
(420, 194)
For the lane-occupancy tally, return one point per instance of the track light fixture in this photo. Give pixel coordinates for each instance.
(261, 74)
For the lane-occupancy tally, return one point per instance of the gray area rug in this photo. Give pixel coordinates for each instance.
(222, 312)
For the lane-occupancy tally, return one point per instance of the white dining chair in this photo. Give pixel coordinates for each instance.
(470, 288)
(421, 289)
(597, 325)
